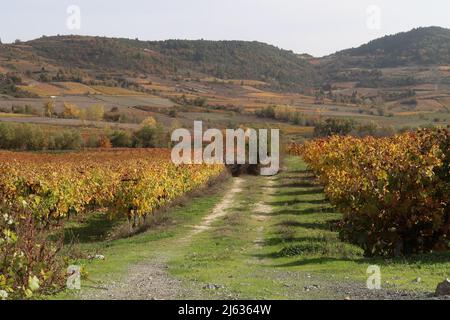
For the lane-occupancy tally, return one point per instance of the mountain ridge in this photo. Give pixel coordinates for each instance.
(103, 57)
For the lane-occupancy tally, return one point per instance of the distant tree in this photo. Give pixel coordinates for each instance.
(71, 110)
(45, 77)
(49, 108)
(149, 122)
(200, 102)
(319, 97)
(66, 140)
(150, 137)
(104, 142)
(334, 126)
(120, 139)
(95, 112)
(380, 111)
(267, 112)
(82, 114)
(172, 113)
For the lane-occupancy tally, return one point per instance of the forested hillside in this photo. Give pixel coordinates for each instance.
(221, 59)
(420, 46)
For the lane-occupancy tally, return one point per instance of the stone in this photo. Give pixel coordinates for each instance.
(97, 257)
(312, 287)
(443, 289)
(211, 286)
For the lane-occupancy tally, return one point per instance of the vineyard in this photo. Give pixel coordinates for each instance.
(393, 192)
(40, 191)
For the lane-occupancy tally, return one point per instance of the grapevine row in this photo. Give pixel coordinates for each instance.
(129, 182)
(394, 192)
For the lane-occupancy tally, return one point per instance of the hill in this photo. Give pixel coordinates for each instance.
(420, 46)
(221, 59)
(418, 56)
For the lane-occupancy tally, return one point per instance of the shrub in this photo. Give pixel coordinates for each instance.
(120, 139)
(150, 137)
(71, 111)
(21, 137)
(267, 112)
(172, 113)
(65, 140)
(393, 192)
(95, 112)
(333, 126)
(29, 264)
(32, 137)
(149, 122)
(104, 142)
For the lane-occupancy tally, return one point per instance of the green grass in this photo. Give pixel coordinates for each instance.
(95, 228)
(302, 239)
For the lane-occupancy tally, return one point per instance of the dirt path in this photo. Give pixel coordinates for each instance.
(150, 280)
(220, 210)
(261, 212)
(145, 281)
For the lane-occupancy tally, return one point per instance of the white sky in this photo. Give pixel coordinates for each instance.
(318, 27)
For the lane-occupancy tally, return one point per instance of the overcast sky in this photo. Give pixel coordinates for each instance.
(318, 27)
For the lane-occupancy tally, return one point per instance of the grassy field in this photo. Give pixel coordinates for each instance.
(116, 91)
(13, 115)
(58, 88)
